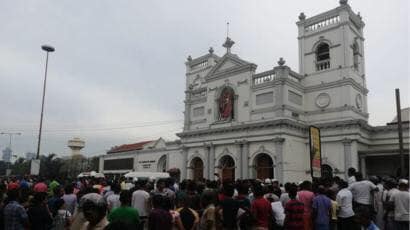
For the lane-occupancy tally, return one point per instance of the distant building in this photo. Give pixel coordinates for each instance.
(7, 152)
(240, 123)
(30, 156)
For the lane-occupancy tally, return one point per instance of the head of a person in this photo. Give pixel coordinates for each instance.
(161, 184)
(374, 179)
(277, 191)
(242, 188)
(351, 171)
(293, 190)
(321, 189)
(69, 189)
(358, 176)
(157, 201)
(125, 198)
(116, 188)
(168, 204)
(207, 198)
(306, 185)
(343, 184)
(39, 198)
(59, 204)
(58, 191)
(228, 189)
(93, 207)
(257, 190)
(403, 185)
(287, 186)
(13, 195)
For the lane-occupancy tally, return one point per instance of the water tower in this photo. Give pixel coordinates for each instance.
(76, 144)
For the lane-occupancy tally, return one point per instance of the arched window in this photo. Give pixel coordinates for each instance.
(162, 164)
(322, 56)
(356, 55)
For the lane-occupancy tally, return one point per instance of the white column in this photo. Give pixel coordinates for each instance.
(279, 153)
(244, 164)
(184, 153)
(347, 150)
(211, 162)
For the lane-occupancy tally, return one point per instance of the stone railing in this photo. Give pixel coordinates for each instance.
(322, 65)
(260, 79)
(323, 23)
(200, 65)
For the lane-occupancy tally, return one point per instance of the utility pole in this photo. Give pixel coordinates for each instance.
(48, 49)
(400, 130)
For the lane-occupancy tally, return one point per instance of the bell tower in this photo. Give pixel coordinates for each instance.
(331, 58)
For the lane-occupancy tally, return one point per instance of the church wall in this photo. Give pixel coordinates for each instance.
(296, 159)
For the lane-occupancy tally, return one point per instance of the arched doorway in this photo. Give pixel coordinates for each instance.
(264, 166)
(162, 164)
(197, 166)
(227, 165)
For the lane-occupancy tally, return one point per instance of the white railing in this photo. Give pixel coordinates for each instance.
(264, 78)
(200, 65)
(324, 23)
(322, 65)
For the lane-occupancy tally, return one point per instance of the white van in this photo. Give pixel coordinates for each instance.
(135, 176)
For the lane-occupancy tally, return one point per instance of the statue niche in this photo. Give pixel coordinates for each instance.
(226, 104)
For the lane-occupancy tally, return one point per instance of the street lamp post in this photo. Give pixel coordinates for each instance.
(48, 49)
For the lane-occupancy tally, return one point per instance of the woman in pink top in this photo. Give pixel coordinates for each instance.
(305, 195)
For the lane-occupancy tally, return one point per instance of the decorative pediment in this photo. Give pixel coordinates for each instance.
(227, 63)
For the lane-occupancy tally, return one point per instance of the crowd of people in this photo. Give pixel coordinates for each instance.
(94, 204)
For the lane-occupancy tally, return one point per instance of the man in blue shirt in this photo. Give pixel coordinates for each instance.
(15, 216)
(321, 209)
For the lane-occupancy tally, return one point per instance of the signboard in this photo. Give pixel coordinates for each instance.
(119, 164)
(315, 152)
(35, 167)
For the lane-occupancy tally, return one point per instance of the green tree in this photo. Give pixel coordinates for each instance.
(50, 166)
(20, 167)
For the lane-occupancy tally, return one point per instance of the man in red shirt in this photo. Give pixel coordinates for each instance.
(294, 210)
(261, 209)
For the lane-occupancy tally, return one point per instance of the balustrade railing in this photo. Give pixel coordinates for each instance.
(322, 65)
(324, 23)
(199, 65)
(263, 79)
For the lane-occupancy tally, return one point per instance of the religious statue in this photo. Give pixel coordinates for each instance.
(226, 104)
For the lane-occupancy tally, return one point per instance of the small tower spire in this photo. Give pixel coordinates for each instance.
(228, 42)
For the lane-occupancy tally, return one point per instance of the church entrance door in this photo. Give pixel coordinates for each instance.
(227, 164)
(197, 166)
(264, 166)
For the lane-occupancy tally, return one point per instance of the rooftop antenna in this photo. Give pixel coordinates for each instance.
(227, 29)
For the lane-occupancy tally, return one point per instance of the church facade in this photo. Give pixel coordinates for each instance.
(240, 123)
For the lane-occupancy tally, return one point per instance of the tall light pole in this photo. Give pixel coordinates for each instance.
(48, 49)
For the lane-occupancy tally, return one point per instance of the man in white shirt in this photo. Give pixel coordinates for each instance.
(344, 199)
(390, 189)
(362, 194)
(140, 201)
(400, 202)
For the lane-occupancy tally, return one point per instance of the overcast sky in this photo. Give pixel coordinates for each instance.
(118, 72)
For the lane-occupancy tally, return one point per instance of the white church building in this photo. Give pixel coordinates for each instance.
(243, 123)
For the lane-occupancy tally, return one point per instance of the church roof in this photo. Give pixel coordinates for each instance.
(129, 147)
